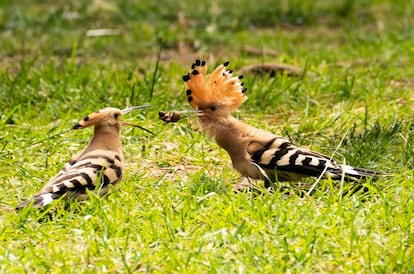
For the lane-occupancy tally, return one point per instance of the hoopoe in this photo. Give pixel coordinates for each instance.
(97, 166)
(255, 153)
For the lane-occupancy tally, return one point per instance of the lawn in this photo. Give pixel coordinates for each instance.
(345, 89)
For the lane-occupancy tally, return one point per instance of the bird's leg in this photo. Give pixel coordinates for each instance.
(246, 186)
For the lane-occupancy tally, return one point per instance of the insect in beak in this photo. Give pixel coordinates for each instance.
(175, 116)
(127, 110)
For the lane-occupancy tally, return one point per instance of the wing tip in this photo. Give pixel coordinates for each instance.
(37, 201)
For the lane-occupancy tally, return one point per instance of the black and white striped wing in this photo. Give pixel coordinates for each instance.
(280, 159)
(93, 171)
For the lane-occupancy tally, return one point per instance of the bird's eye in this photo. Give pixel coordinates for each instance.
(213, 107)
(116, 115)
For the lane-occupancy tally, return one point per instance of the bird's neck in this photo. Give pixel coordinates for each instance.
(228, 132)
(106, 138)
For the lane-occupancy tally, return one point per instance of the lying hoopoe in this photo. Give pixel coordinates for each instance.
(255, 153)
(101, 160)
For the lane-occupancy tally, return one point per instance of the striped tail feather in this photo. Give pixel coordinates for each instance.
(40, 200)
(68, 188)
(350, 173)
(339, 172)
(71, 187)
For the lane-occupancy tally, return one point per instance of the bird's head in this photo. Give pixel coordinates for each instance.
(216, 94)
(107, 117)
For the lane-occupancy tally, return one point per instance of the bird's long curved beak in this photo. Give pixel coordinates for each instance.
(138, 126)
(127, 110)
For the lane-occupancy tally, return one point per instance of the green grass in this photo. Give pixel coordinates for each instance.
(175, 210)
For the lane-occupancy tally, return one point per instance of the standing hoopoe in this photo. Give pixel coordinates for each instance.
(101, 160)
(255, 153)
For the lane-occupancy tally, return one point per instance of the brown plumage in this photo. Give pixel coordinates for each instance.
(96, 167)
(255, 153)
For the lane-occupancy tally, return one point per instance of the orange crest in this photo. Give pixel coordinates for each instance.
(219, 87)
